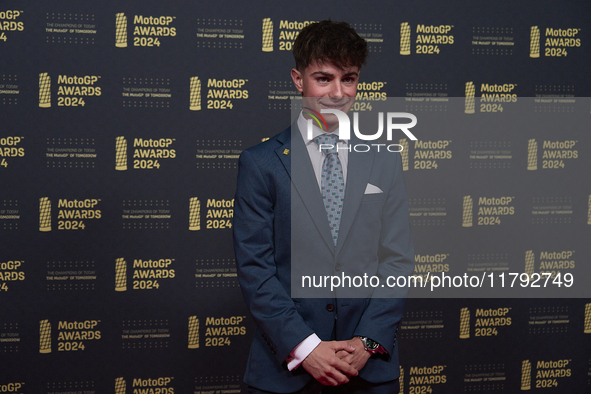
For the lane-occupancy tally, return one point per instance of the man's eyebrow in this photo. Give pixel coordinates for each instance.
(325, 73)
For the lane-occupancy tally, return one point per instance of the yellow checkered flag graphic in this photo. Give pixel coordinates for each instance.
(120, 386)
(193, 332)
(464, 323)
(195, 94)
(44, 336)
(404, 153)
(120, 30)
(587, 319)
(532, 155)
(467, 212)
(194, 214)
(529, 262)
(44, 90)
(120, 275)
(534, 42)
(525, 375)
(120, 154)
(404, 38)
(44, 214)
(469, 103)
(267, 35)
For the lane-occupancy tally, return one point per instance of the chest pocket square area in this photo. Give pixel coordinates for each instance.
(372, 189)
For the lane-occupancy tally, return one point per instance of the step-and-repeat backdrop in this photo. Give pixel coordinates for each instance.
(121, 125)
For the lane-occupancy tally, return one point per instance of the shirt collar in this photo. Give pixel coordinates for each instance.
(316, 131)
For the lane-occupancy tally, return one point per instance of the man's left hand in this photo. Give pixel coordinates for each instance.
(358, 357)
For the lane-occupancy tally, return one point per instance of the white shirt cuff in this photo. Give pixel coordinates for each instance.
(301, 351)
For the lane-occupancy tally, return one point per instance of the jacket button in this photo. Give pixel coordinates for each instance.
(330, 307)
(337, 267)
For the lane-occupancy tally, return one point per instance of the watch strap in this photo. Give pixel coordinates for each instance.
(372, 346)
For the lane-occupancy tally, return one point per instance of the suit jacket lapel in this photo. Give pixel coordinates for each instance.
(284, 150)
(358, 172)
(305, 185)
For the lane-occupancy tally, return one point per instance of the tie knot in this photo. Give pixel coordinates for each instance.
(325, 140)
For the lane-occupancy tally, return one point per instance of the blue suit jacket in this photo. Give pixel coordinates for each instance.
(277, 192)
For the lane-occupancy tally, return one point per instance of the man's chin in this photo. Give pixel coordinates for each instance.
(340, 107)
(343, 107)
(316, 105)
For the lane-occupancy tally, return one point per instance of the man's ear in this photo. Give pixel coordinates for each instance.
(297, 78)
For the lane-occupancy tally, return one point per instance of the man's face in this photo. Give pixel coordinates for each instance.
(326, 86)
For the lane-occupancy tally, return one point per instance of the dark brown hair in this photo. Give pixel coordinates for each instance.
(327, 40)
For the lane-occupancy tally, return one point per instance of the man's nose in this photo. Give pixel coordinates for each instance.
(336, 90)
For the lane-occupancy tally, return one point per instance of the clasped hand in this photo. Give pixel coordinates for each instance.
(333, 362)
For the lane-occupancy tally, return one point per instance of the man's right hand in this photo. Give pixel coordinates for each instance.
(324, 365)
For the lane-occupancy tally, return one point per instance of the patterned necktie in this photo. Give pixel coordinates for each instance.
(332, 182)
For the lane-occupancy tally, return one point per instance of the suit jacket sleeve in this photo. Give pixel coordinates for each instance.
(396, 257)
(263, 254)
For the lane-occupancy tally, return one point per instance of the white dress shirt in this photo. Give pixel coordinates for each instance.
(317, 156)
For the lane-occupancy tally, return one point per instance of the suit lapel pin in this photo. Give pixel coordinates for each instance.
(286, 152)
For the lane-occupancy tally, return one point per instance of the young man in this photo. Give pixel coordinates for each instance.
(346, 212)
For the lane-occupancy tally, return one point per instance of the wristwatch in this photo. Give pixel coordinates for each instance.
(372, 346)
